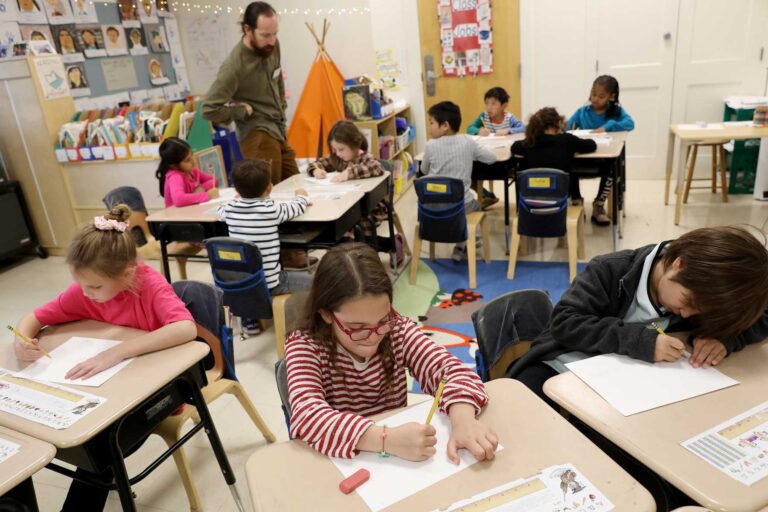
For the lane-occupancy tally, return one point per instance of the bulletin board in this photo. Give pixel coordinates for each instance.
(466, 37)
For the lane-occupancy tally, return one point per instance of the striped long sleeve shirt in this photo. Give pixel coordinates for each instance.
(452, 155)
(256, 220)
(330, 409)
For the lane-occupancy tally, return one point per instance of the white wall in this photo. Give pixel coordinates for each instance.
(354, 34)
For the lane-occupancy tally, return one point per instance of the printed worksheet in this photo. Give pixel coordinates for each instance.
(7, 449)
(737, 447)
(555, 489)
(48, 404)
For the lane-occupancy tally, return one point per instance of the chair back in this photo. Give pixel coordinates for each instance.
(442, 217)
(238, 272)
(542, 202)
(281, 379)
(204, 302)
(130, 196)
(505, 328)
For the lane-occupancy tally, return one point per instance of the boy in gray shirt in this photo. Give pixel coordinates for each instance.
(450, 153)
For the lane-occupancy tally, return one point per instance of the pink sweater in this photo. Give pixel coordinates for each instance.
(180, 188)
(152, 305)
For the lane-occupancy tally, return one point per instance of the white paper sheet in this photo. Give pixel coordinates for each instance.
(7, 449)
(554, 489)
(737, 447)
(393, 479)
(66, 356)
(48, 404)
(633, 386)
(696, 126)
(225, 194)
(328, 180)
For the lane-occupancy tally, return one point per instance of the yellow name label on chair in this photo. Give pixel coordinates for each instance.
(437, 187)
(544, 182)
(230, 255)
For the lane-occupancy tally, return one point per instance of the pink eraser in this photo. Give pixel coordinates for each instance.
(354, 481)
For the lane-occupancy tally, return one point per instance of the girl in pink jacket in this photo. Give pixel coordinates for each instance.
(181, 183)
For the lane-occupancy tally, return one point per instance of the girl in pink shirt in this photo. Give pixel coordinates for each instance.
(110, 286)
(181, 183)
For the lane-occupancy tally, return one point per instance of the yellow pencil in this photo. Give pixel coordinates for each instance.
(295, 182)
(27, 340)
(437, 399)
(658, 329)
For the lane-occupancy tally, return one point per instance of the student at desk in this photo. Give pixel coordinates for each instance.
(348, 361)
(181, 183)
(110, 286)
(712, 282)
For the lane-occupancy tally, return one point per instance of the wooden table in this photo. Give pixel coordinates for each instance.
(292, 476)
(686, 135)
(32, 456)
(138, 397)
(654, 437)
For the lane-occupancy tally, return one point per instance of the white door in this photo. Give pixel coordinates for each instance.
(720, 52)
(635, 42)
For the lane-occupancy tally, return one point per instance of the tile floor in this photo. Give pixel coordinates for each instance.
(34, 281)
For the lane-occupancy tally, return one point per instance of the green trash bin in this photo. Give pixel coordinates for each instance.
(742, 161)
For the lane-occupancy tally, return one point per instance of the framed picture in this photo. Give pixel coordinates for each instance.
(211, 161)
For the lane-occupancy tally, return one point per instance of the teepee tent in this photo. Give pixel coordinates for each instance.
(320, 104)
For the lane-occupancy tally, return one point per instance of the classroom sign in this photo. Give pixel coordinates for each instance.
(465, 37)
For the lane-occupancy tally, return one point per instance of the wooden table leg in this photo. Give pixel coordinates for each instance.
(682, 153)
(668, 173)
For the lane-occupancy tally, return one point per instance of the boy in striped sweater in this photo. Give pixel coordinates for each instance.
(348, 360)
(255, 217)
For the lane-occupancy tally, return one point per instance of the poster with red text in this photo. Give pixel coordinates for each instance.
(466, 37)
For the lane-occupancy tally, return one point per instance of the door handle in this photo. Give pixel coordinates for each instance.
(429, 74)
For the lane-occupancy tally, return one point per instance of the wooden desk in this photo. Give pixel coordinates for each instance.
(292, 476)
(654, 437)
(686, 136)
(139, 397)
(32, 456)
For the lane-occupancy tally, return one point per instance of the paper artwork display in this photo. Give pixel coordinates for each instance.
(389, 68)
(466, 37)
(67, 43)
(30, 11)
(36, 33)
(156, 72)
(554, 489)
(9, 11)
(51, 75)
(137, 44)
(8, 449)
(174, 43)
(78, 82)
(9, 36)
(147, 13)
(83, 11)
(129, 13)
(206, 58)
(396, 478)
(119, 73)
(41, 48)
(615, 378)
(114, 40)
(156, 38)
(91, 40)
(52, 405)
(737, 447)
(210, 161)
(58, 12)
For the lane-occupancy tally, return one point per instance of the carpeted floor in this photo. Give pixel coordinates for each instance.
(443, 305)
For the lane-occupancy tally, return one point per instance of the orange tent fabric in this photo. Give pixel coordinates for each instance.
(320, 106)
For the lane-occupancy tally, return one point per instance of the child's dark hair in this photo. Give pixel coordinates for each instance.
(611, 86)
(726, 271)
(545, 118)
(172, 151)
(347, 272)
(107, 252)
(113, 29)
(252, 13)
(446, 112)
(251, 177)
(345, 132)
(497, 93)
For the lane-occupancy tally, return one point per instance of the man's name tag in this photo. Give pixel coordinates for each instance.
(276, 73)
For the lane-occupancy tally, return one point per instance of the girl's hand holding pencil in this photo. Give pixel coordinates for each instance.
(27, 349)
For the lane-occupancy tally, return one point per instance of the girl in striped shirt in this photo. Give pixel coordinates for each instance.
(348, 363)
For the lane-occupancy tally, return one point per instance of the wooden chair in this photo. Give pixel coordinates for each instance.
(718, 164)
(543, 211)
(170, 429)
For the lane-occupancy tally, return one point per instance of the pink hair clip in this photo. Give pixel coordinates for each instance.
(104, 224)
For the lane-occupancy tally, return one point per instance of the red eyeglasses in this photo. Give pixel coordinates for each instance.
(364, 333)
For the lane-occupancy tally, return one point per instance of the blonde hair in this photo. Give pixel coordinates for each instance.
(107, 252)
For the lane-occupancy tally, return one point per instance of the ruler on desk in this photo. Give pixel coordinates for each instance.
(503, 497)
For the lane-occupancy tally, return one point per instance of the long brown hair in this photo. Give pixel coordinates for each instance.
(541, 121)
(107, 252)
(346, 272)
(345, 132)
(725, 269)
